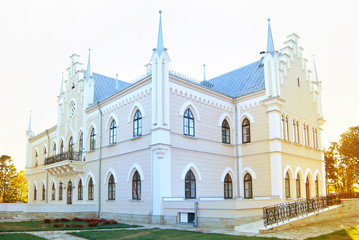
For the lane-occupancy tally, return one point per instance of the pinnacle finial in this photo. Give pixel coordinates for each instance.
(160, 48)
(204, 72)
(270, 44)
(88, 71)
(315, 72)
(62, 84)
(29, 129)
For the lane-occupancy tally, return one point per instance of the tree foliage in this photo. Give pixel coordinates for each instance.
(13, 185)
(342, 162)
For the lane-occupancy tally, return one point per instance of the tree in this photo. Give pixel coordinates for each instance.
(13, 185)
(342, 162)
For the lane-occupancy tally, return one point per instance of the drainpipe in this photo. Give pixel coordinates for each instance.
(236, 146)
(195, 224)
(99, 162)
(47, 173)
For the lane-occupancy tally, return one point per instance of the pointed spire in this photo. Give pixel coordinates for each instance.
(160, 47)
(117, 82)
(270, 44)
(204, 72)
(29, 129)
(62, 84)
(315, 77)
(88, 74)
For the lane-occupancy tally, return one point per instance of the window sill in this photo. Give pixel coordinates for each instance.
(112, 144)
(135, 138)
(190, 137)
(135, 200)
(227, 144)
(110, 200)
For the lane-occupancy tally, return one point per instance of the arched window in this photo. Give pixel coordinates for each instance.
(113, 132)
(54, 149)
(248, 186)
(36, 158)
(225, 132)
(45, 153)
(305, 135)
(228, 190)
(60, 190)
(81, 142)
(137, 124)
(111, 188)
(92, 139)
(190, 185)
(316, 138)
(90, 190)
(61, 147)
(53, 191)
(308, 136)
(136, 186)
(287, 186)
(298, 137)
(294, 132)
(283, 128)
(297, 185)
(287, 127)
(69, 192)
(188, 123)
(43, 192)
(71, 145)
(80, 191)
(35, 192)
(246, 131)
(316, 186)
(307, 190)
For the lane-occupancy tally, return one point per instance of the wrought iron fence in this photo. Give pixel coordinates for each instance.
(75, 156)
(285, 211)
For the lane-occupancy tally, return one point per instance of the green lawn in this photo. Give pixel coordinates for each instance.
(19, 236)
(338, 235)
(155, 234)
(41, 226)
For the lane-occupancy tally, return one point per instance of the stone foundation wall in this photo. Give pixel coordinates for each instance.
(349, 208)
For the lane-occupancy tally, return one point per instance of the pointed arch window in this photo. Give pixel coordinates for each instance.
(113, 132)
(287, 185)
(36, 158)
(60, 190)
(92, 139)
(188, 123)
(225, 132)
(53, 192)
(294, 132)
(45, 153)
(111, 188)
(54, 149)
(136, 186)
(80, 190)
(297, 185)
(307, 129)
(81, 143)
(316, 138)
(298, 137)
(228, 189)
(71, 145)
(190, 185)
(90, 190)
(316, 186)
(307, 189)
(43, 192)
(137, 124)
(35, 192)
(61, 147)
(287, 127)
(246, 131)
(283, 128)
(248, 186)
(305, 135)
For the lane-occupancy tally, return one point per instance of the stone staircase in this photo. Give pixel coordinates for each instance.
(252, 227)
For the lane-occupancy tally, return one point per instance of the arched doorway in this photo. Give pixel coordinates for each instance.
(69, 192)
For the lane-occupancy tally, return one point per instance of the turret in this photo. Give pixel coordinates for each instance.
(89, 85)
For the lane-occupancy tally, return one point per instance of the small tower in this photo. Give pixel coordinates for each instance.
(204, 72)
(89, 89)
(317, 90)
(271, 66)
(29, 135)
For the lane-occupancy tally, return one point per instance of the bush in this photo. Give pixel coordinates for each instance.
(92, 224)
(94, 220)
(102, 220)
(64, 220)
(61, 225)
(76, 219)
(86, 220)
(67, 225)
(113, 222)
(55, 225)
(47, 220)
(106, 222)
(56, 220)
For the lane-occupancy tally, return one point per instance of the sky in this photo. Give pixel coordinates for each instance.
(38, 36)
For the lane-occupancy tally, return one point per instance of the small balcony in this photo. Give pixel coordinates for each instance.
(64, 163)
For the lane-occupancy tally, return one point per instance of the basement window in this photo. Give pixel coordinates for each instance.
(186, 217)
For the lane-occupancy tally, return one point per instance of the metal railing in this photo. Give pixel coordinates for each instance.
(285, 211)
(75, 156)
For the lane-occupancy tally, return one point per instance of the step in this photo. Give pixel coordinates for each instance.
(250, 227)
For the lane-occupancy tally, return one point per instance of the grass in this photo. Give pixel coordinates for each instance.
(337, 235)
(160, 234)
(19, 236)
(27, 226)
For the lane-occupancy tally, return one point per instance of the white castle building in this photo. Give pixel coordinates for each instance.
(167, 149)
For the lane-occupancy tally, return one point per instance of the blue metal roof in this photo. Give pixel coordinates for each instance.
(239, 82)
(106, 86)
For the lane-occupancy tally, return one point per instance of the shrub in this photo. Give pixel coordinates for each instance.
(102, 220)
(56, 220)
(106, 222)
(46, 220)
(61, 225)
(92, 224)
(76, 219)
(55, 225)
(86, 220)
(94, 220)
(67, 225)
(113, 222)
(64, 220)
(79, 225)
